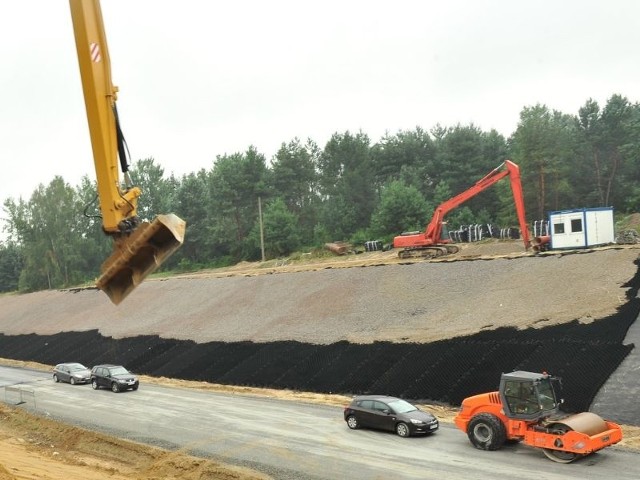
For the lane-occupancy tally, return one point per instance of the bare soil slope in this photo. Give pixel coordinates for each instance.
(326, 302)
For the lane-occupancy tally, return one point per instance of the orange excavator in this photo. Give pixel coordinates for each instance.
(140, 247)
(526, 408)
(431, 244)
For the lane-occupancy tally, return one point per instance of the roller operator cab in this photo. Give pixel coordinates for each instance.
(527, 408)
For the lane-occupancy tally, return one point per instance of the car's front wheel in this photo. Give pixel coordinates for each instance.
(352, 422)
(72, 381)
(115, 388)
(55, 378)
(402, 429)
(94, 384)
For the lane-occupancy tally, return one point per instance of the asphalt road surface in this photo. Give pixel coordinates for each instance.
(292, 440)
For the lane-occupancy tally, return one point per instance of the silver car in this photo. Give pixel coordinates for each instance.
(72, 373)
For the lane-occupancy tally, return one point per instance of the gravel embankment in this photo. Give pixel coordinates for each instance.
(417, 302)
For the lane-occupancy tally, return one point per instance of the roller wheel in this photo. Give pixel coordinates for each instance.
(486, 432)
(560, 456)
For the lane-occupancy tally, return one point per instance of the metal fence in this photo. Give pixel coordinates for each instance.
(18, 395)
(480, 231)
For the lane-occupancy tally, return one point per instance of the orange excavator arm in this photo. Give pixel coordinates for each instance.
(434, 228)
(139, 247)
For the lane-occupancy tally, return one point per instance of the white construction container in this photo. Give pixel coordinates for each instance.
(581, 228)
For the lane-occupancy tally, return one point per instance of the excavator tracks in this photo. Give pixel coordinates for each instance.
(432, 251)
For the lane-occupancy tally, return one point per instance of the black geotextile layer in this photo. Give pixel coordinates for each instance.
(446, 371)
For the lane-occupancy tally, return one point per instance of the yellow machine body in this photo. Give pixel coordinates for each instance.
(139, 247)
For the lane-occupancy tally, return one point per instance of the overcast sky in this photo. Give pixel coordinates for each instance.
(201, 78)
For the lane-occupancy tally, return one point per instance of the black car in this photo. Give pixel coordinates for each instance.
(72, 373)
(389, 413)
(115, 377)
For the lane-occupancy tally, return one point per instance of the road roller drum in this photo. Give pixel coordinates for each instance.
(585, 422)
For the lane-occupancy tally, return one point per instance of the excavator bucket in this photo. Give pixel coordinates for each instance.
(140, 254)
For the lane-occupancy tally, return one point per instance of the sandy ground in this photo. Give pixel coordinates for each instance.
(36, 448)
(40, 449)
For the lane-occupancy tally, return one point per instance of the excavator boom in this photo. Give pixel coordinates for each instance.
(139, 247)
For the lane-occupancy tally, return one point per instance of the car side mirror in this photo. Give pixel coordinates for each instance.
(386, 411)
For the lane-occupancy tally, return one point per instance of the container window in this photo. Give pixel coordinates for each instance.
(576, 225)
(558, 228)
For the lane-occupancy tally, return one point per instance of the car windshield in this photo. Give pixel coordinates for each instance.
(74, 367)
(401, 406)
(118, 371)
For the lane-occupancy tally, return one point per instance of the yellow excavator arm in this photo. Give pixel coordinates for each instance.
(139, 247)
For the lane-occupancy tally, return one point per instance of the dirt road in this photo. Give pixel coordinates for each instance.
(37, 448)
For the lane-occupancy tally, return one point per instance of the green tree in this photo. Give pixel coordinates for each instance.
(628, 196)
(281, 231)
(616, 116)
(295, 179)
(11, 263)
(193, 204)
(407, 156)
(543, 148)
(47, 227)
(235, 183)
(609, 136)
(157, 192)
(347, 184)
(337, 218)
(465, 154)
(92, 245)
(402, 208)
